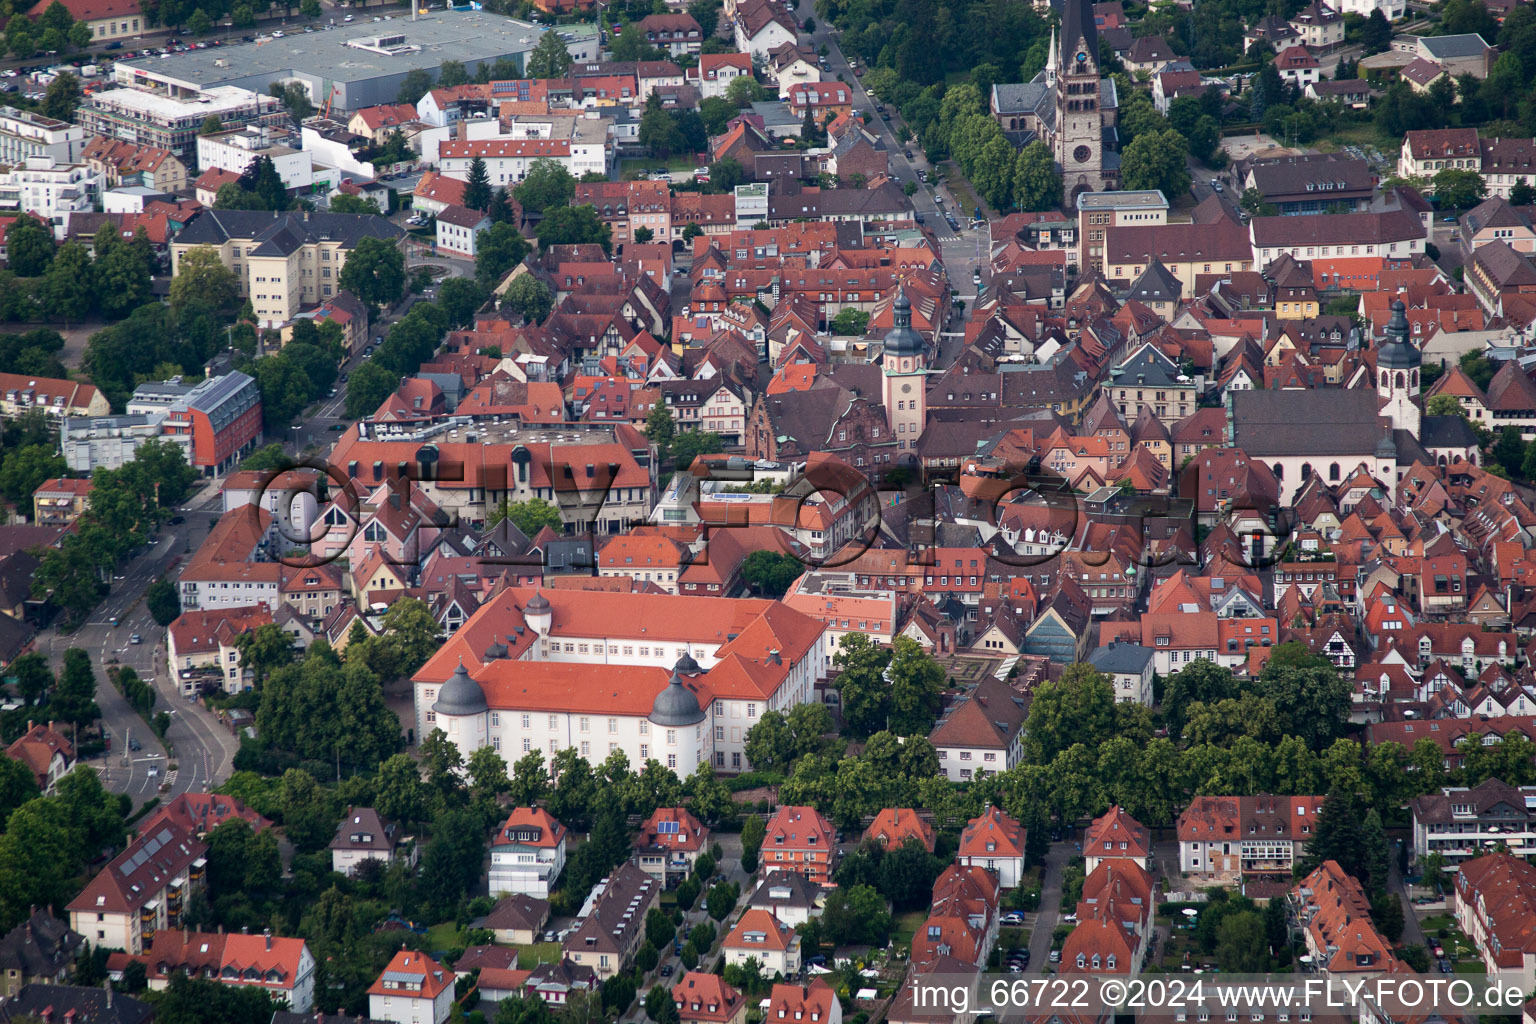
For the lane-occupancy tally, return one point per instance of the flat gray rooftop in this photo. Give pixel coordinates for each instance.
(466, 36)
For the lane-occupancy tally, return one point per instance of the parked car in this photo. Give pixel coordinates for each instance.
(1070, 918)
(1055, 957)
(1013, 917)
(666, 970)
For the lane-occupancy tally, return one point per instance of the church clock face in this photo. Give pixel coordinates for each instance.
(906, 389)
(1081, 154)
(1082, 57)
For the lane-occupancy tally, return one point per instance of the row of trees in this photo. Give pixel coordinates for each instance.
(53, 30)
(412, 340)
(73, 281)
(125, 507)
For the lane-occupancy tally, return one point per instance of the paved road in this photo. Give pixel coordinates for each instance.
(202, 749)
(963, 251)
(1050, 903)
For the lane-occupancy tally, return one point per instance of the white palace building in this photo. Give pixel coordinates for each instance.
(674, 679)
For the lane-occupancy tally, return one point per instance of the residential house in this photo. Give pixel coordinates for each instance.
(962, 919)
(1334, 916)
(46, 752)
(1115, 918)
(527, 853)
(760, 936)
(669, 843)
(363, 836)
(412, 989)
(1129, 668)
(799, 839)
(894, 826)
(980, 733)
(1115, 835)
(813, 1003)
(793, 899)
(612, 924)
(39, 950)
(706, 999)
(1233, 837)
(996, 842)
(516, 920)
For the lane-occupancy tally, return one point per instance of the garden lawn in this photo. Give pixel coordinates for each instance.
(444, 936)
(905, 926)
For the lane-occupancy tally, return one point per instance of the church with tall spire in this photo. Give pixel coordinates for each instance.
(1070, 105)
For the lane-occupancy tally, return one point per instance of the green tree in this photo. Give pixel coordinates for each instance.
(547, 186)
(1036, 186)
(263, 650)
(203, 282)
(850, 321)
(74, 696)
(344, 203)
(1241, 943)
(62, 293)
(717, 112)
(1077, 708)
(1156, 160)
(29, 246)
(660, 429)
(550, 58)
(529, 516)
(163, 601)
(1522, 193)
(375, 272)
(659, 133)
(916, 684)
(573, 225)
(770, 573)
(499, 249)
(414, 86)
(631, 45)
(529, 298)
(1459, 189)
(33, 677)
(120, 279)
(1255, 205)
(477, 186)
(368, 387)
(861, 684)
(62, 97)
(25, 469)
(856, 915)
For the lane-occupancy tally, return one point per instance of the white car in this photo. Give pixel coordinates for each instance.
(347, 18)
(152, 772)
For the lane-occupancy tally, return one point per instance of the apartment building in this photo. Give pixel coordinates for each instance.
(25, 134)
(202, 652)
(89, 443)
(169, 122)
(127, 163)
(1460, 822)
(996, 842)
(1234, 837)
(50, 189)
(800, 840)
(1334, 915)
(285, 262)
(1496, 908)
(612, 923)
(218, 420)
(141, 891)
(1097, 212)
(59, 502)
(284, 968)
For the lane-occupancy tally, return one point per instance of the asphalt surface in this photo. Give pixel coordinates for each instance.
(201, 748)
(963, 251)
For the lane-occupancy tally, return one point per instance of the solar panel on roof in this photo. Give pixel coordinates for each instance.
(666, 828)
